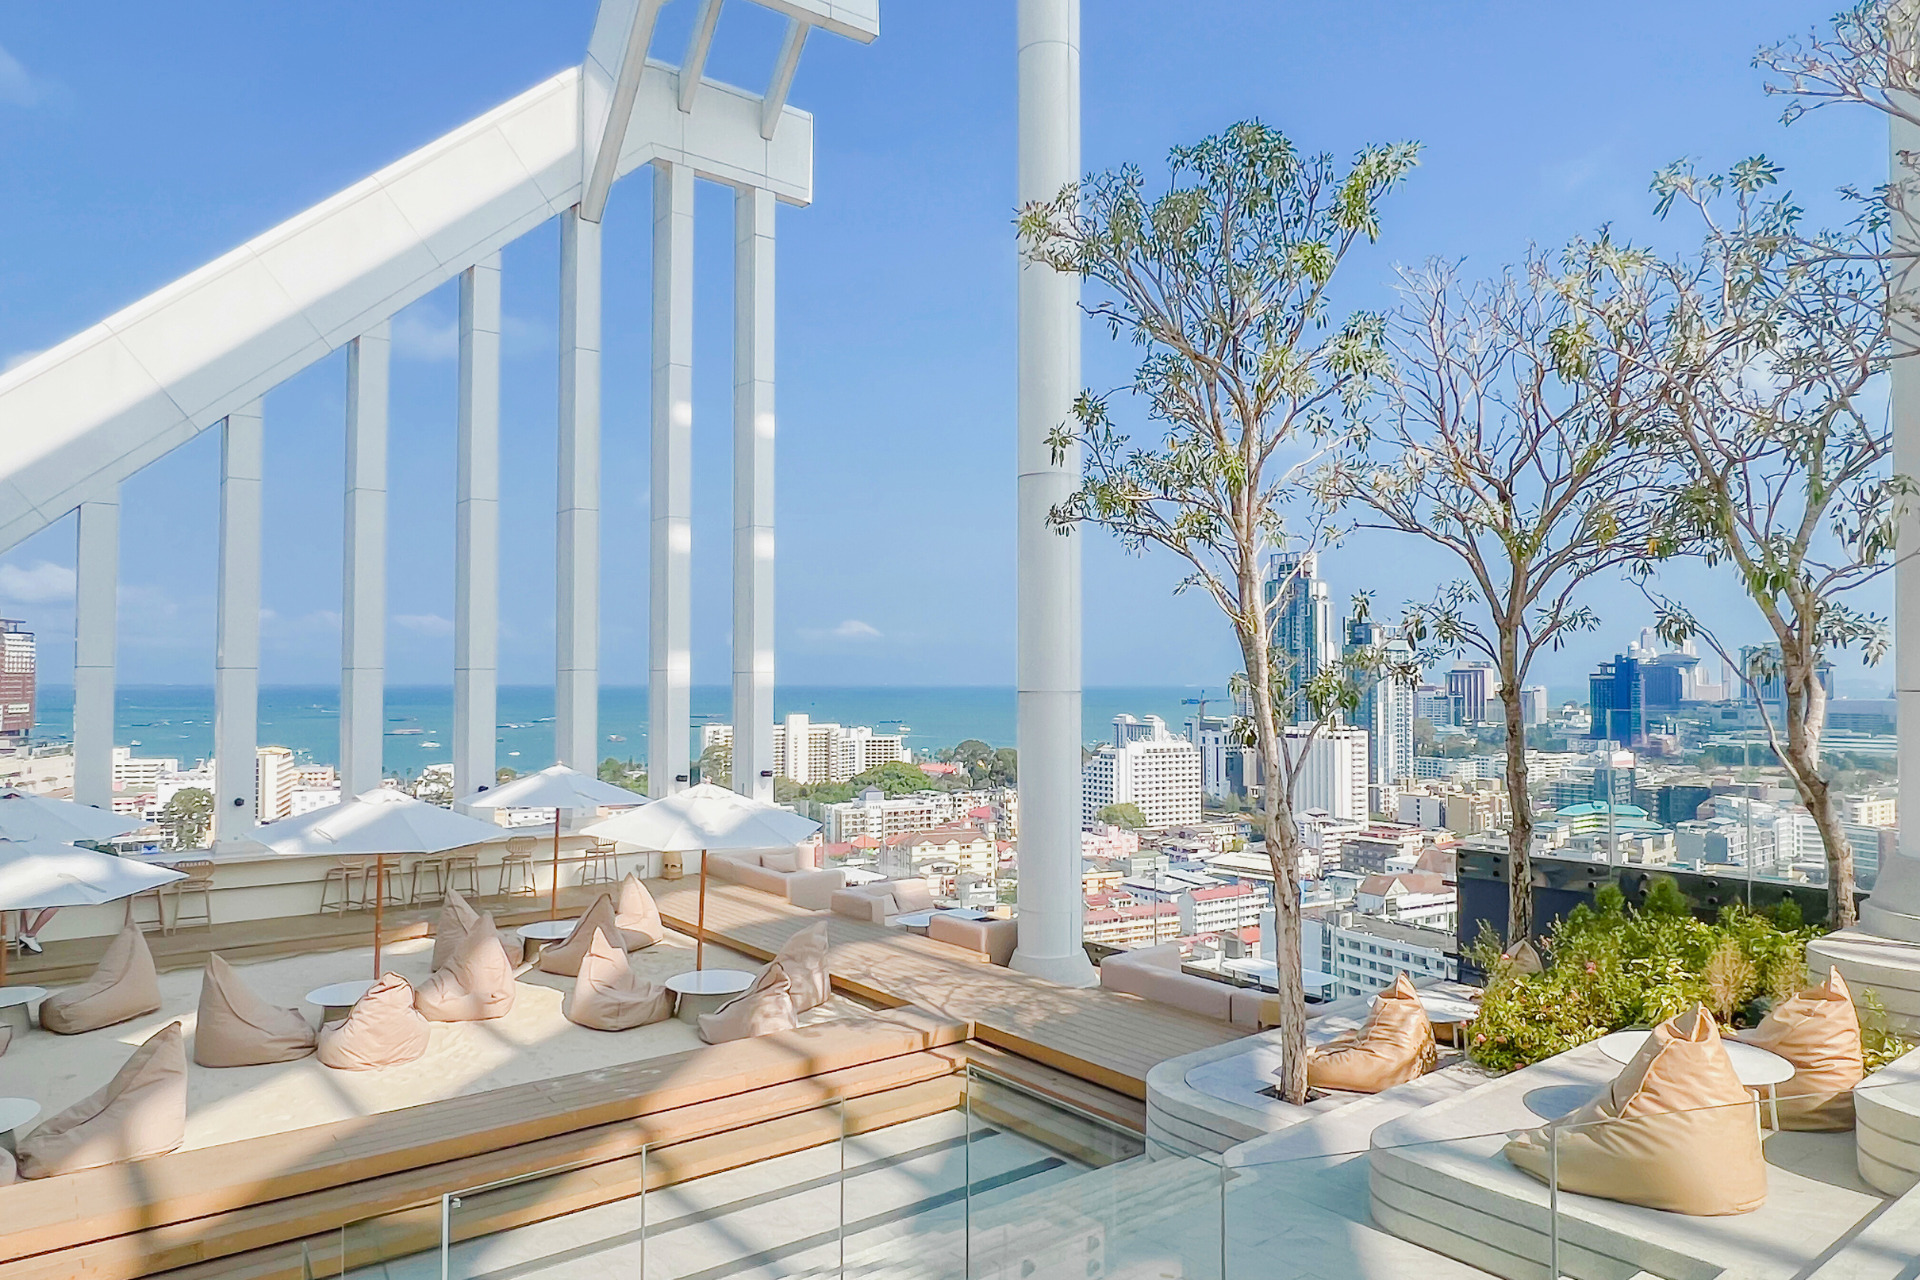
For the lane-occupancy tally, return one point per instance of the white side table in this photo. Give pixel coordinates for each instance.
(1759, 1070)
(16, 1006)
(337, 999)
(541, 934)
(704, 990)
(15, 1113)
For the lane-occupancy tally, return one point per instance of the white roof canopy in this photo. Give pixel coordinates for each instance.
(25, 816)
(379, 821)
(705, 817)
(557, 787)
(47, 873)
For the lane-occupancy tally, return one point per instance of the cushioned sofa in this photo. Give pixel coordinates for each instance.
(995, 939)
(1154, 974)
(786, 873)
(881, 900)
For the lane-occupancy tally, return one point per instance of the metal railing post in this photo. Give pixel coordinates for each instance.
(966, 1171)
(1553, 1202)
(446, 1235)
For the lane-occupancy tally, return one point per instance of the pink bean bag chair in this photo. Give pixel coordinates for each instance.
(383, 1030)
(236, 1028)
(608, 997)
(141, 1112)
(477, 984)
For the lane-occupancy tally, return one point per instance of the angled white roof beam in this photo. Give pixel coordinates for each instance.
(855, 19)
(696, 59)
(609, 80)
(789, 62)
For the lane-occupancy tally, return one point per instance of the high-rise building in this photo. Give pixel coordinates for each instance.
(1303, 637)
(276, 777)
(807, 752)
(1619, 699)
(1387, 707)
(1533, 705)
(1145, 766)
(19, 667)
(1213, 737)
(1431, 703)
(1470, 685)
(1762, 663)
(1334, 777)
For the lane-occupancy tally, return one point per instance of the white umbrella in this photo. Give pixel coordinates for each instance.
(47, 873)
(26, 816)
(706, 818)
(562, 790)
(377, 823)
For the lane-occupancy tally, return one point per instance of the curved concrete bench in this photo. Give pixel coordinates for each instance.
(1886, 1108)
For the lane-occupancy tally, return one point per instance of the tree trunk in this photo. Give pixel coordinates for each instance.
(1806, 714)
(1519, 806)
(1283, 858)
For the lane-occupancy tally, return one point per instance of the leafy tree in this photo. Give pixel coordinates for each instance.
(623, 773)
(1509, 448)
(503, 774)
(716, 763)
(1769, 349)
(1222, 280)
(1123, 815)
(188, 818)
(895, 777)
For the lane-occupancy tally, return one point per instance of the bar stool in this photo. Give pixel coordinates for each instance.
(437, 864)
(516, 868)
(463, 866)
(199, 881)
(599, 866)
(351, 880)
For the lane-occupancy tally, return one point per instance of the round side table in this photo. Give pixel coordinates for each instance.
(15, 1113)
(16, 1005)
(337, 999)
(704, 990)
(541, 934)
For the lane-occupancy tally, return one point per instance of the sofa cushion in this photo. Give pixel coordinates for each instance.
(786, 861)
(124, 985)
(995, 939)
(382, 1030)
(564, 957)
(477, 984)
(911, 895)
(236, 1028)
(607, 996)
(141, 1112)
(1393, 1046)
(814, 890)
(1674, 1130)
(1818, 1031)
(456, 918)
(858, 904)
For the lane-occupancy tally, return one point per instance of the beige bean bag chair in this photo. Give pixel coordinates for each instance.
(803, 962)
(608, 997)
(1819, 1033)
(8, 1173)
(1394, 1045)
(456, 920)
(477, 984)
(1674, 1130)
(124, 985)
(383, 1030)
(141, 1112)
(236, 1028)
(564, 957)
(1524, 957)
(759, 1011)
(637, 916)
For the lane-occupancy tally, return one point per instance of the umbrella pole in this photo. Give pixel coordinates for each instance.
(700, 925)
(379, 907)
(553, 893)
(5, 947)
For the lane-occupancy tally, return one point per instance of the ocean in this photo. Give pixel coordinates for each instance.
(177, 720)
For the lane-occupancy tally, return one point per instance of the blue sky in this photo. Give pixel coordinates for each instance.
(141, 141)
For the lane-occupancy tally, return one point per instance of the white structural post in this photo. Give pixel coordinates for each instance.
(1048, 574)
(95, 623)
(670, 634)
(363, 612)
(236, 677)
(576, 711)
(476, 536)
(753, 433)
(1893, 910)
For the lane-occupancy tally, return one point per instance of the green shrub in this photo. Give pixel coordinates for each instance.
(1611, 968)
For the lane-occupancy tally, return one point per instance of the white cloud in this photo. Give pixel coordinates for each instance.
(41, 583)
(426, 624)
(851, 629)
(20, 87)
(419, 335)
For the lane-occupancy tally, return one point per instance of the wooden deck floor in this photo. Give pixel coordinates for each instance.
(1110, 1039)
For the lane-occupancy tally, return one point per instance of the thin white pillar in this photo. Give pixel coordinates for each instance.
(1048, 577)
(363, 612)
(476, 531)
(576, 711)
(236, 677)
(1893, 910)
(753, 430)
(95, 623)
(670, 634)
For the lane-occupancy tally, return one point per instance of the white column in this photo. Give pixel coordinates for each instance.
(236, 677)
(95, 624)
(753, 428)
(576, 710)
(1048, 582)
(669, 709)
(1893, 910)
(363, 611)
(476, 531)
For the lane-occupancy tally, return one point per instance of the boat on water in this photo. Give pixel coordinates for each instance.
(405, 733)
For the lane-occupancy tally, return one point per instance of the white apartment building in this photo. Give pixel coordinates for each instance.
(876, 816)
(139, 774)
(965, 848)
(1411, 897)
(1213, 737)
(1874, 809)
(1364, 955)
(1145, 766)
(1136, 926)
(1334, 778)
(807, 752)
(1223, 908)
(1533, 705)
(276, 777)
